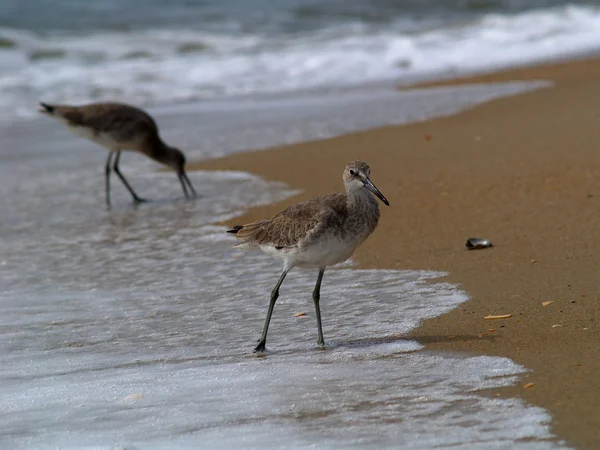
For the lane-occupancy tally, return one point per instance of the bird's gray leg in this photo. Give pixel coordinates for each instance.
(136, 199)
(316, 298)
(274, 294)
(189, 183)
(185, 189)
(107, 175)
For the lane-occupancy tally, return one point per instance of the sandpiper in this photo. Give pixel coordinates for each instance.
(117, 127)
(316, 233)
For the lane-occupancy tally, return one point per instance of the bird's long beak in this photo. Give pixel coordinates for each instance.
(370, 186)
(185, 182)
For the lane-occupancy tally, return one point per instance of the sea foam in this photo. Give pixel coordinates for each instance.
(183, 64)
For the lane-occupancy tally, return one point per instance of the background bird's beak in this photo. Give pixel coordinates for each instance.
(370, 186)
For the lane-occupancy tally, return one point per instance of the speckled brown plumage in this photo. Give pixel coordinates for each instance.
(125, 123)
(305, 222)
(117, 127)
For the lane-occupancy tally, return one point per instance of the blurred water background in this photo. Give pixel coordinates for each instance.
(164, 52)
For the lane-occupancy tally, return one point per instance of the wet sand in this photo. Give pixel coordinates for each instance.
(522, 171)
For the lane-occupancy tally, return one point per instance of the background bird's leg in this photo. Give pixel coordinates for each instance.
(274, 294)
(129, 188)
(107, 177)
(185, 189)
(316, 298)
(189, 183)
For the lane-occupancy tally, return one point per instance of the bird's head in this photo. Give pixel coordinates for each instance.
(357, 176)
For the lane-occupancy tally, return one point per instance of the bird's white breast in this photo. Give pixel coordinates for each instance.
(327, 251)
(103, 139)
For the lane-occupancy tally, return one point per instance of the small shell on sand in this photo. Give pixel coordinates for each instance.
(477, 243)
(500, 316)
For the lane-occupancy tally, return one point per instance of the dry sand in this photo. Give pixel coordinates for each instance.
(522, 171)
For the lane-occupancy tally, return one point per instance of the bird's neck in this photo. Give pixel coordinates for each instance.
(160, 151)
(361, 200)
(363, 212)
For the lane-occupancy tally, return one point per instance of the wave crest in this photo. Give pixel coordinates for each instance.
(150, 67)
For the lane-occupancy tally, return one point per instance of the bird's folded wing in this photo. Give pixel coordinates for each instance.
(295, 224)
(110, 120)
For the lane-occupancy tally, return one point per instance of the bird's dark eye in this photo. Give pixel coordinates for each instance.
(352, 172)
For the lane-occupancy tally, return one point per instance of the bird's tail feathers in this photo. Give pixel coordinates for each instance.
(235, 229)
(46, 108)
(254, 233)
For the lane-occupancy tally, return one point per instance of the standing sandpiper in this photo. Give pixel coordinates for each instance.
(117, 127)
(316, 233)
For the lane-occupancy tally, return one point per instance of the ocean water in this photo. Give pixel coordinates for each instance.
(164, 53)
(133, 327)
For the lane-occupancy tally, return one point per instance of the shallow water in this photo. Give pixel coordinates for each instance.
(132, 327)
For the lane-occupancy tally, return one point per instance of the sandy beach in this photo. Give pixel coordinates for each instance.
(522, 171)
